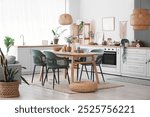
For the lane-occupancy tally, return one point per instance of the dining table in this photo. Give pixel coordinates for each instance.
(73, 56)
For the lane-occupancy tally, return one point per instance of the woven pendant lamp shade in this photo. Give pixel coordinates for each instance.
(140, 19)
(65, 19)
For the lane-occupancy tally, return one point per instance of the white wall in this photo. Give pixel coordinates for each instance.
(74, 9)
(35, 18)
(32, 18)
(94, 10)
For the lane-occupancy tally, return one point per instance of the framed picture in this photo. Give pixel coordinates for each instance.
(108, 23)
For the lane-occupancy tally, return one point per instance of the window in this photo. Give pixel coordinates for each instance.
(32, 18)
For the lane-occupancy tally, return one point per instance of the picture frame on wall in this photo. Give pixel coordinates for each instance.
(108, 23)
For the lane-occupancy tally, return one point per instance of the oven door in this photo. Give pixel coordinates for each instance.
(109, 59)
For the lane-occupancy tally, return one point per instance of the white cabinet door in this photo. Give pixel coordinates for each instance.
(134, 69)
(148, 64)
(134, 63)
(24, 57)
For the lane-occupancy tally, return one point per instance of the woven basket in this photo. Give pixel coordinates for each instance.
(83, 86)
(9, 89)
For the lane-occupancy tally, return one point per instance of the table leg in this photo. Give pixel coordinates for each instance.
(95, 69)
(41, 73)
(72, 69)
(65, 73)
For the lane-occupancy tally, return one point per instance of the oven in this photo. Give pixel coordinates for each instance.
(110, 57)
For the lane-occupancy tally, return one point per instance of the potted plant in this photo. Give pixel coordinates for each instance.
(57, 33)
(9, 87)
(8, 42)
(69, 40)
(81, 25)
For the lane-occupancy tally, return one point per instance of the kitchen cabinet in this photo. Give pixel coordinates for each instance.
(148, 64)
(134, 63)
(24, 56)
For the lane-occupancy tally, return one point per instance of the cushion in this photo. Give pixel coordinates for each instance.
(83, 86)
(11, 59)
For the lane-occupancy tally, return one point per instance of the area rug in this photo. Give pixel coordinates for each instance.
(64, 87)
(137, 81)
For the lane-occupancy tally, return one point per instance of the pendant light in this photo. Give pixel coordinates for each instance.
(140, 19)
(65, 19)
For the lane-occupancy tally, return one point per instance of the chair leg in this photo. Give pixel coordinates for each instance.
(54, 78)
(33, 73)
(77, 71)
(68, 75)
(58, 75)
(46, 75)
(87, 72)
(46, 72)
(92, 73)
(42, 76)
(101, 73)
(81, 72)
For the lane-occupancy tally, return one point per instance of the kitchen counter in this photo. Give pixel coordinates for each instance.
(102, 46)
(147, 48)
(32, 46)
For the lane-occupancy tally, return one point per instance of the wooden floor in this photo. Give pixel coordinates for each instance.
(127, 92)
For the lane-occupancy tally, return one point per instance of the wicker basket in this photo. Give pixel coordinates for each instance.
(9, 89)
(83, 86)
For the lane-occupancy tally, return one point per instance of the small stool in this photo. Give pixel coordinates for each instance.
(83, 86)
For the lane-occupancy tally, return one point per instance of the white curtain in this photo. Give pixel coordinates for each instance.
(33, 18)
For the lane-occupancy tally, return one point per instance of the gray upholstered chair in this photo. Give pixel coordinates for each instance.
(39, 59)
(55, 63)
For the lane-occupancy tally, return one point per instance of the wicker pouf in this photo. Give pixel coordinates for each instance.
(83, 86)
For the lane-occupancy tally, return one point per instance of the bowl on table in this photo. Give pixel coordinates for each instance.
(57, 48)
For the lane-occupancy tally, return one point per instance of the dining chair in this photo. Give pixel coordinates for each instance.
(55, 63)
(99, 56)
(39, 59)
(82, 59)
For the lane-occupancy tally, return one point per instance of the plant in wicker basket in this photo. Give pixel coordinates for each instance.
(9, 87)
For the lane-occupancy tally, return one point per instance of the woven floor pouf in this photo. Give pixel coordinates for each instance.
(83, 86)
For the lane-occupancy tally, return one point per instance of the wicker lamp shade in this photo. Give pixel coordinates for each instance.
(140, 19)
(65, 19)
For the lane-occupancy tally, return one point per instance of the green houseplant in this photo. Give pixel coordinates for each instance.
(8, 42)
(57, 33)
(9, 87)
